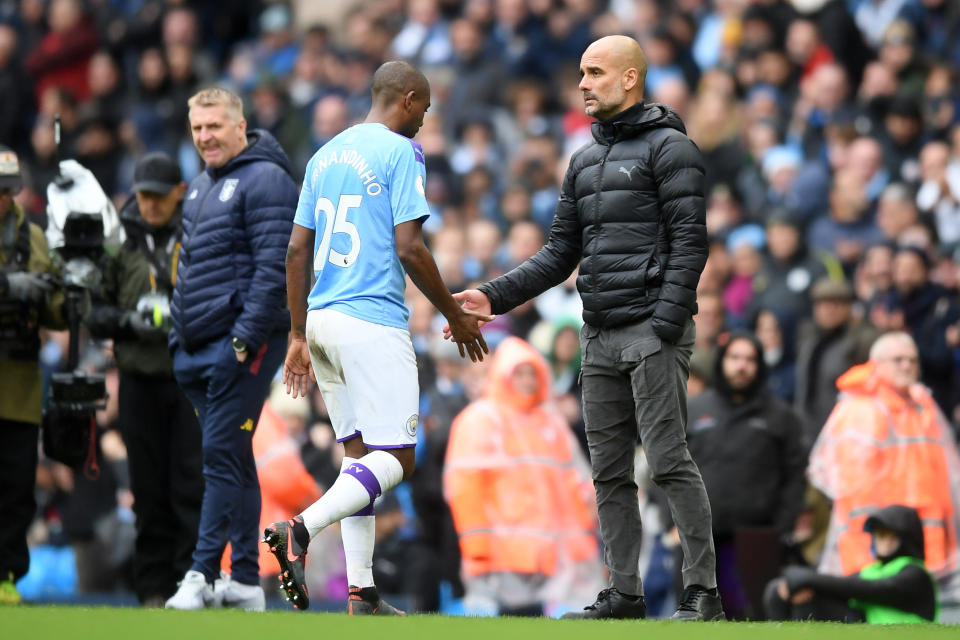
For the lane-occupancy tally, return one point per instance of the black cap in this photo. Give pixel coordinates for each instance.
(156, 172)
(10, 177)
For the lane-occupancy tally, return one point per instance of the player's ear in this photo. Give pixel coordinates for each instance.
(408, 99)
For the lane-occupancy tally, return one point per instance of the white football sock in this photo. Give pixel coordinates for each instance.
(359, 533)
(359, 483)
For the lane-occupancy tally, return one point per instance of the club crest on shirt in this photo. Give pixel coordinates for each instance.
(411, 425)
(229, 186)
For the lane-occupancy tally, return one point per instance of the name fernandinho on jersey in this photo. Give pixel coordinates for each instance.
(353, 159)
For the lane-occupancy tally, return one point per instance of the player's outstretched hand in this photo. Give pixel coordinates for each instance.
(297, 372)
(471, 300)
(465, 331)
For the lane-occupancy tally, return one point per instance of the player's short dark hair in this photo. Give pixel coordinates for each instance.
(395, 78)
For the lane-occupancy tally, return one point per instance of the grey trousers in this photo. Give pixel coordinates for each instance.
(634, 383)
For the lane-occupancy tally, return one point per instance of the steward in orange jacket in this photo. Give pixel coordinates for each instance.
(886, 442)
(518, 485)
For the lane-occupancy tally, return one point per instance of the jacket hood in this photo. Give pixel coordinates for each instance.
(638, 118)
(720, 381)
(261, 147)
(862, 379)
(905, 522)
(511, 353)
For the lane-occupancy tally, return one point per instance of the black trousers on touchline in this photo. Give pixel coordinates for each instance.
(163, 442)
(635, 384)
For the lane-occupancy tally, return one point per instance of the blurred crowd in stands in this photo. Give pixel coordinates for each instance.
(830, 132)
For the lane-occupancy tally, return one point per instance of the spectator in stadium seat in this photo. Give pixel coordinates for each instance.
(846, 228)
(748, 446)
(832, 342)
(925, 310)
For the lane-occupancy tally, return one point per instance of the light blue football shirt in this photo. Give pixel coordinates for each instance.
(356, 189)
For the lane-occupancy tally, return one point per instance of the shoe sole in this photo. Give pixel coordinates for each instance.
(296, 593)
(720, 617)
(383, 609)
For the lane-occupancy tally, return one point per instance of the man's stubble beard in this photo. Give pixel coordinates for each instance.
(604, 109)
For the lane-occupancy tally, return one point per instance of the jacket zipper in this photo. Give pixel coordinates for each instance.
(596, 206)
(186, 250)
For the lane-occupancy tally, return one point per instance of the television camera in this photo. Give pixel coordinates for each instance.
(82, 224)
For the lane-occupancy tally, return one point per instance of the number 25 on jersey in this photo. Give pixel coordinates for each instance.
(335, 221)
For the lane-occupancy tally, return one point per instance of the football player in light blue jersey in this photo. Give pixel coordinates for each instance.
(359, 223)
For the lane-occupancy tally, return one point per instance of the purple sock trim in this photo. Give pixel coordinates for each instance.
(366, 478)
(366, 511)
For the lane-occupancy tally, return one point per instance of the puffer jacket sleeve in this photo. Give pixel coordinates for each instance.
(678, 172)
(268, 219)
(551, 264)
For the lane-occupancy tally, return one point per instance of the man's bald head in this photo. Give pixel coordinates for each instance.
(623, 51)
(397, 78)
(613, 70)
(401, 95)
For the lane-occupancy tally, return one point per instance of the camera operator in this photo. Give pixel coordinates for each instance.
(29, 299)
(158, 424)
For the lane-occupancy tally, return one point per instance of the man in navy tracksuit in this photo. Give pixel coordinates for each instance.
(229, 332)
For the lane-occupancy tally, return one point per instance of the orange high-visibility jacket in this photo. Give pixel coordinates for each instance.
(516, 482)
(286, 487)
(879, 448)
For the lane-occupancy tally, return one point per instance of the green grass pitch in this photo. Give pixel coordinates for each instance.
(103, 623)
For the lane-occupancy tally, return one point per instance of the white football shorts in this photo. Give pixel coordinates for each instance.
(367, 374)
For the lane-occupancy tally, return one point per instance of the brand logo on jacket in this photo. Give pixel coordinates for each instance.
(628, 172)
(229, 186)
(703, 422)
(193, 194)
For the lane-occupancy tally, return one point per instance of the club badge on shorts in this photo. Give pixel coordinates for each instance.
(229, 186)
(411, 425)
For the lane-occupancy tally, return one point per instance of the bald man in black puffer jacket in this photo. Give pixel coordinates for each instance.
(632, 214)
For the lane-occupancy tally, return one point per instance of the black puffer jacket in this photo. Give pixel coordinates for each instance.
(632, 212)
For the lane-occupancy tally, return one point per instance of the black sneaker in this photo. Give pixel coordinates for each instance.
(292, 558)
(611, 604)
(698, 603)
(366, 601)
